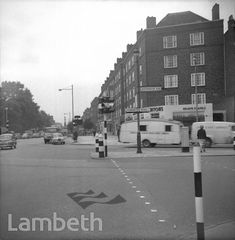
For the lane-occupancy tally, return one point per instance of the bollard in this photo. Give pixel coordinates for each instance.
(184, 139)
(101, 146)
(97, 142)
(198, 192)
(233, 143)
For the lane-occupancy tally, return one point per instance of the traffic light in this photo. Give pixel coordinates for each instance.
(106, 105)
(7, 124)
(77, 121)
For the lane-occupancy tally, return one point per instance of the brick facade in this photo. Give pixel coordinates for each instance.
(217, 67)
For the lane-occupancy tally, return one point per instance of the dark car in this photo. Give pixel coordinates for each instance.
(7, 140)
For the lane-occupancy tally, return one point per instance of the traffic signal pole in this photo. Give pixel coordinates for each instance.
(105, 136)
(6, 116)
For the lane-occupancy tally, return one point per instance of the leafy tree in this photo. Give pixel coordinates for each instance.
(70, 127)
(23, 112)
(88, 124)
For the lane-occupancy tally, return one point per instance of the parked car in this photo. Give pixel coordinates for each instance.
(36, 135)
(58, 138)
(25, 136)
(7, 140)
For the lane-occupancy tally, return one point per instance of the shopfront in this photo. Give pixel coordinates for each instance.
(184, 113)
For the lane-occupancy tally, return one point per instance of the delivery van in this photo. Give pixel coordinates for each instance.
(153, 131)
(217, 132)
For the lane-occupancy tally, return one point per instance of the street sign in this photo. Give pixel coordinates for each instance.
(137, 110)
(150, 89)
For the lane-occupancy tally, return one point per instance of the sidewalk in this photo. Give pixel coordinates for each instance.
(127, 150)
(163, 152)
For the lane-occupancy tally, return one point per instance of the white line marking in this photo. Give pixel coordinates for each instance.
(147, 203)
(154, 210)
(142, 196)
(130, 182)
(138, 191)
(161, 220)
(128, 179)
(134, 187)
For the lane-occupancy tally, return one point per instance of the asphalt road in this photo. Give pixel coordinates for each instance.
(150, 198)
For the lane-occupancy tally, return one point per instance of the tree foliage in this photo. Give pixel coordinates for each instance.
(23, 112)
(88, 124)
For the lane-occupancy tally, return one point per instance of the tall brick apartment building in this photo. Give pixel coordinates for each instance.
(182, 47)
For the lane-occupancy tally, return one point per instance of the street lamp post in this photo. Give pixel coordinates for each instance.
(61, 89)
(195, 80)
(136, 53)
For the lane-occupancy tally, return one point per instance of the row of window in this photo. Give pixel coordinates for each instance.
(195, 40)
(171, 81)
(174, 99)
(196, 59)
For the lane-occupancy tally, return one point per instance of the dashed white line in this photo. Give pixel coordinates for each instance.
(147, 203)
(130, 182)
(133, 186)
(153, 210)
(142, 196)
(161, 220)
(138, 191)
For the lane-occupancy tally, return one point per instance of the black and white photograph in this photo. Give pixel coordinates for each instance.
(117, 119)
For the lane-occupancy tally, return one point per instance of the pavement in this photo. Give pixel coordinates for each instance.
(128, 150)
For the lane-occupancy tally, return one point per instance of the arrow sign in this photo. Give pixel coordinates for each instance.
(137, 110)
(150, 89)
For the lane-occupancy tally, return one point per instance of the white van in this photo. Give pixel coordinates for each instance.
(217, 132)
(153, 131)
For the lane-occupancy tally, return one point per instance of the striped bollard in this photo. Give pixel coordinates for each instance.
(198, 192)
(233, 143)
(101, 146)
(96, 142)
(105, 136)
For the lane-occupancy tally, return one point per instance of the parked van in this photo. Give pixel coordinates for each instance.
(153, 131)
(217, 132)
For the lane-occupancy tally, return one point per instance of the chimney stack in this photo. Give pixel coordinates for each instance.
(138, 33)
(215, 12)
(150, 22)
(231, 22)
(128, 47)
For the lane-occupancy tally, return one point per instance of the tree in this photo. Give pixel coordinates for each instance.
(23, 112)
(88, 124)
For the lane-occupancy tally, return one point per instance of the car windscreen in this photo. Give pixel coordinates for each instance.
(6, 137)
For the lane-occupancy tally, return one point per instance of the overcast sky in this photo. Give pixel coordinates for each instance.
(48, 45)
